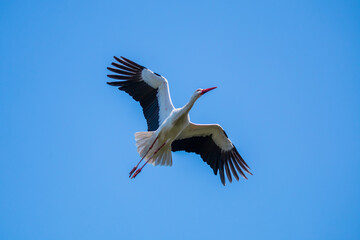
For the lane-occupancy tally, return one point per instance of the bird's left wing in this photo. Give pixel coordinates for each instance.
(146, 87)
(214, 147)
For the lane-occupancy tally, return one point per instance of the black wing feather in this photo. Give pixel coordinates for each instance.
(132, 83)
(127, 63)
(123, 67)
(119, 71)
(214, 156)
(233, 169)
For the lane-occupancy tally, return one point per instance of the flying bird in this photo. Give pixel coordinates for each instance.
(169, 128)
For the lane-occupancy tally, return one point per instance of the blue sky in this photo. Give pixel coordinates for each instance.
(288, 77)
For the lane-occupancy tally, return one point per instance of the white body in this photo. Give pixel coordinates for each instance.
(177, 125)
(171, 127)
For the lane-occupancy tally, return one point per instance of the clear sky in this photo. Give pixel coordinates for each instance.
(288, 77)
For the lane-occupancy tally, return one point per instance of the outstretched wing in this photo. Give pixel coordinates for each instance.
(214, 147)
(146, 87)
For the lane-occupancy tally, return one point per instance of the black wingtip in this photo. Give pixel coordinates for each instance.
(232, 168)
(228, 174)
(112, 83)
(132, 63)
(222, 177)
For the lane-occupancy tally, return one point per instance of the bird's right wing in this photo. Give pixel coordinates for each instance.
(214, 147)
(146, 87)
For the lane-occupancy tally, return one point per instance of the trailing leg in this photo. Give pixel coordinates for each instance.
(132, 171)
(139, 170)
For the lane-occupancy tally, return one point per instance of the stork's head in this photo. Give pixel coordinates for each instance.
(199, 92)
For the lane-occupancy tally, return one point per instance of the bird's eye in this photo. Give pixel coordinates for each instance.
(157, 74)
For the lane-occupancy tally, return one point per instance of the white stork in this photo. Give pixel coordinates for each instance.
(169, 128)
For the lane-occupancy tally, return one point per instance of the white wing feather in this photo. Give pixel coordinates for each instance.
(163, 93)
(203, 130)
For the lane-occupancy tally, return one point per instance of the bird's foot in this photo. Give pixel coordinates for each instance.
(136, 173)
(132, 171)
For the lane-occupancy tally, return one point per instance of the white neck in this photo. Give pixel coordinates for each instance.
(190, 104)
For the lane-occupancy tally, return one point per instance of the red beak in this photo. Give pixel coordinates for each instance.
(207, 89)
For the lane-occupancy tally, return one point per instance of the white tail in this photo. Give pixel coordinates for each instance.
(164, 158)
(143, 142)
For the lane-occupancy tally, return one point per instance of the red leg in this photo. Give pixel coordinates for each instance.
(139, 170)
(131, 172)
